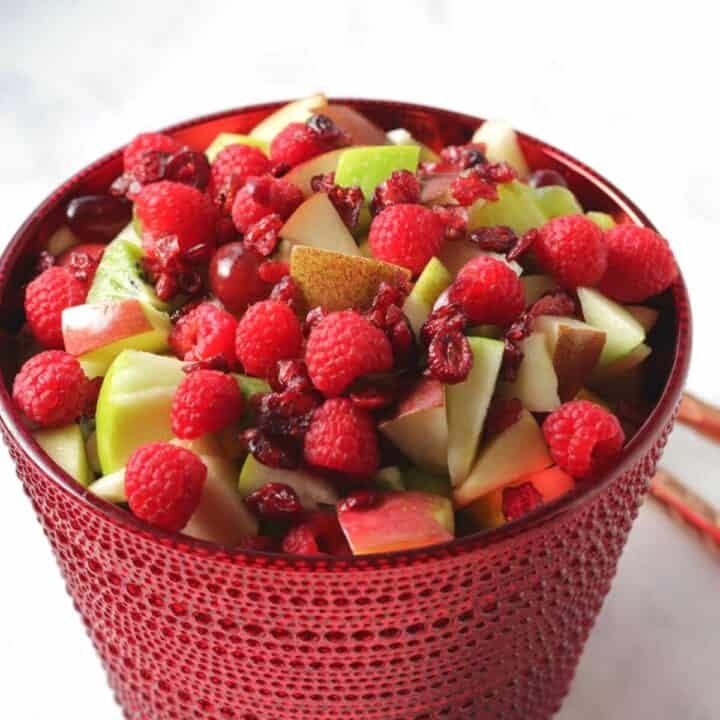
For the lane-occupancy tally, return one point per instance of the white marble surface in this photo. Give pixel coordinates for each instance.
(628, 89)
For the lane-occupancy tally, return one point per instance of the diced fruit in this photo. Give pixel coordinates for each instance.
(574, 347)
(400, 521)
(624, 332)
(337, 282)
(646, 316)
(297, 111)
(603, 220)
(367, 167)
(516, 207)
(98, 333)
(590, 396)
(92, 453)
(355, 124)
(419, 428)
(488, 331)
(224, 139)
(204, 445)
(61, 240)
(301, 175)
(455, 255)
(66, 446)
(111, 487)
(536, 286)
(433, 280)
(421, 481)
(501, 144)
(389, 478)
(555, 201)
(316, 223)
(312, 490)
(536, 384)
(467, 405)
(118, 275)
(400, 136)
(619, 367)
(517, 451)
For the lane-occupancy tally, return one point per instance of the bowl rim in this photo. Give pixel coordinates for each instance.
(649, 432)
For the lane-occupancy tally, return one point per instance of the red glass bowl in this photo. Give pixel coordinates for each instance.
(488, 626)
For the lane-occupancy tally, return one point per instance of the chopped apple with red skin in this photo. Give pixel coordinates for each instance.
(517, 451)
(575, 348)
(297, 111)
(316, 223)
(467, 405)
(98, 333)
(536, 384)
(356, 125)
(401, 521)
(646, 316)
(502, 145)
(536, 286)
(302, 174)
(419, 428)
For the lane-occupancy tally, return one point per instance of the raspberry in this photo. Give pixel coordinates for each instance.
(299, 142)
(206, 401)
(164, 484)
(320, 534)
(275, 501)
(51, 388)
(583, 437)
(269, 331)
(519, 500)
(640, 264)
(489, 291)
(231, 169)
(261, 196)
(406, 235)
(147, 143)
(401, 188)
(342, 347)
(342, 437)
(204, 333)
(45, 299)
(173, 209)
(573, 250)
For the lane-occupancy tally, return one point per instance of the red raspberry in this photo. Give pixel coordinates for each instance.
(82, 260)
(148, 142)
(583, 437)
(407, 235)
(342, 437)
(572, 249)
(206, 401)
(51, 388)
(320, 534)
(204, 333)
(173, 209)
(45, 299)
(164, 484)
(269, 331)
(519, 500)
(640, 264)
(489, 291)
(342, 347)
(231, 169)
(299, 142)
(261, 196)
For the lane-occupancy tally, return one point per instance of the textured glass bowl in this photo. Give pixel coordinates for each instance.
(487, 626)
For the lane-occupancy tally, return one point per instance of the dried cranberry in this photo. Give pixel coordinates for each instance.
(512, 357)
(273, 271)
(189, 167)
(264, 235)
(464, 156)
(280, 169)
(497, 238)
(98, 218)
(450, 358)
(82, 260)
(312, 319)
(360, 500)
(275, 501)
(554, 302)
(498, 173)
(402, 187)
(455, 219)
(436, 187)
(323, 183)
(519, 500)
(523, 244)
(273, 452)
(388, 299)
(402, 340)
(469, 187)
(290, 375)
(502, 414)
(216, 362)
(285, 414)
(348, 202)
(286, 291)
(373, 398)
(326, 129)
(448, 318)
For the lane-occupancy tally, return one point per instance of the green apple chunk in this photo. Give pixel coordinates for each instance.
(623, 331)
(556, 201)
(66, 446)
(421, 481)
(296, 111)
(111, 488)
(419, 427)
(302, 174)
(401, 136)
(536, 384)
(367, 167)
(316, 223)
(434, 279)
(400, 521)
(517, 451)
(389, 478)
(603, 220)
(536, 286)
(515, 207)
(223, 140)
(312, 490)
(467, 405)
(502, 145)
(118, 275)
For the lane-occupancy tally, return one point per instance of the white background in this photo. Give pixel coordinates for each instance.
(628, 87)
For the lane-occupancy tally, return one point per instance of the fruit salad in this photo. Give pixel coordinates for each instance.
(325, 338)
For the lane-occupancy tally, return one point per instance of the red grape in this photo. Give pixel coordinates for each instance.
(234, 276)
(98, 218)
(545, 177)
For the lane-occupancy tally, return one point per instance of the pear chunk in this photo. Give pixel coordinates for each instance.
(297, 111)
(502, 145)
